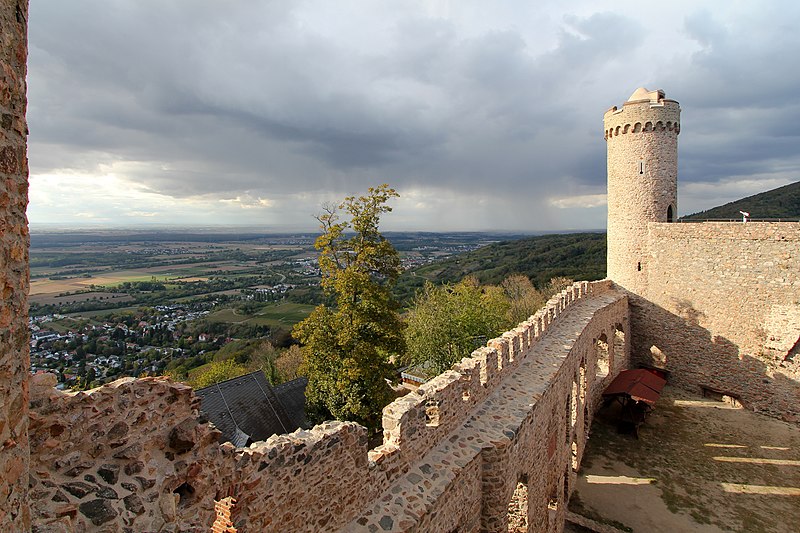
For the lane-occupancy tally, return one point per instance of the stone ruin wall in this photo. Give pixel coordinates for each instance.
(14, 350)
(722, 311)
(134, 455)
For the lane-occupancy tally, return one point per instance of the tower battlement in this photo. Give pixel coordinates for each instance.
(642, 141)
(645, 111)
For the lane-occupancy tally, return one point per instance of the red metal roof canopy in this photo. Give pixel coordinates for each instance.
(640, 384)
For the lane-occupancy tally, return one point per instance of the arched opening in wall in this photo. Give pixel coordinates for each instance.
(518, 506)
(224, 509)
(582, 386)
(791, 355)
(432, 413)
(574, 452)
(670, 217)
(601, 349)
(573, 414)
(618, 347)
(466, 384)
(567, 419)
(185, 494)
(552, 509)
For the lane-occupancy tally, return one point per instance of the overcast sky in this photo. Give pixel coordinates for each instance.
(483, 115)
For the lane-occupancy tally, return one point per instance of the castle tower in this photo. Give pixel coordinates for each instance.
(642, 147)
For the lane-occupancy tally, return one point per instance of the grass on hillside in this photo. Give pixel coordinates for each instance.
(782, 203)
(102, 312)
(284, 314)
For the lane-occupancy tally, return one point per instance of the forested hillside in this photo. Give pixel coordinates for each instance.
(783, 202)
(580, 256)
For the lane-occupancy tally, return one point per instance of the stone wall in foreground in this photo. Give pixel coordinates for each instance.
(14, 350)
(134, 455)
(722, 311)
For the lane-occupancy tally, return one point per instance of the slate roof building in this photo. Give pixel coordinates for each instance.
(248, 409)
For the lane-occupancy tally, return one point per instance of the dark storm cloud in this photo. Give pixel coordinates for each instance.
(272, 99)
(742, 87)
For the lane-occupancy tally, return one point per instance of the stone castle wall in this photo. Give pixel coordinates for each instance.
(722, 310)
(642, 159)
(14, 350)
(133, 455)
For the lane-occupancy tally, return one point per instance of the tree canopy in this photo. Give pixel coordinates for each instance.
(448, 322)
(347, 345)
(217, 371)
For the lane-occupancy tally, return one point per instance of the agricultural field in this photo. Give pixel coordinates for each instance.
(284, 314)
(53, 298)
(113, 278)
(88, 272)
(110, 304)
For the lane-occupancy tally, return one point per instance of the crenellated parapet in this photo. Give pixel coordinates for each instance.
(417, 421)
(658, 126)
(136, 455)
(644, 112)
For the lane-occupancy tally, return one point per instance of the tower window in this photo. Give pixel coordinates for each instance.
(641, 167)
(669, 214)
(639, 266)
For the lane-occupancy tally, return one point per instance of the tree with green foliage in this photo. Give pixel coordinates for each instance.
(348, 345)
(448, 322)
(218, 371)
(556, 285)
(523, 298)
(289, 363)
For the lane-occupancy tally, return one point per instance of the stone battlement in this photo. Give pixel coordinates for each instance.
(645, 111)
(415, 422)
(639, 127)
(134, 453)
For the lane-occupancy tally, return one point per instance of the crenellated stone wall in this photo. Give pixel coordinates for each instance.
(134, 456)
(14, 349)
(531, 428)
(722, 311)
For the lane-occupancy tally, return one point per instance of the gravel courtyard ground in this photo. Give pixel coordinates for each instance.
(698, 465)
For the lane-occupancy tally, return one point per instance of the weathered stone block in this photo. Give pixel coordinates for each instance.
(99, 511)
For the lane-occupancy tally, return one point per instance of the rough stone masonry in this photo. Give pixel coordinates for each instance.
(14, 354)
(134, 455)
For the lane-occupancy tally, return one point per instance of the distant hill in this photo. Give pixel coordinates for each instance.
(580, 256)
(783, 202)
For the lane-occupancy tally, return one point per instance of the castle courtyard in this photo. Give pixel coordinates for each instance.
(698, 465)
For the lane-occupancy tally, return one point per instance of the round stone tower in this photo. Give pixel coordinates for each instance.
(642, 147)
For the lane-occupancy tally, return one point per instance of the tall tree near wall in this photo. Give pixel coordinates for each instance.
(347, 345)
